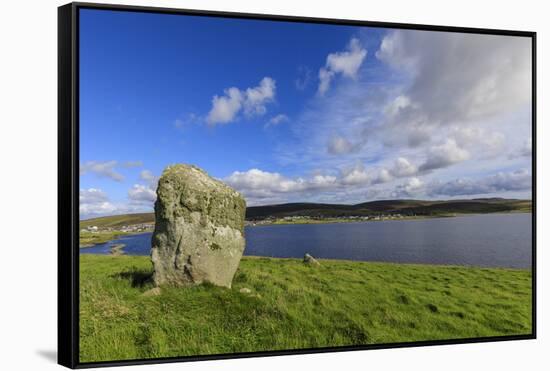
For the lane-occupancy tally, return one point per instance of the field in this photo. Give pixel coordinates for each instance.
(292, 306)
(87, 239)
(117, 221)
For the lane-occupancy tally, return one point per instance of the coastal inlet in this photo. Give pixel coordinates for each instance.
(490, 240)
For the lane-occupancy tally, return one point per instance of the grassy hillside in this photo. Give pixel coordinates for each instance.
(293, 306)
(405, 207)
(117, 221)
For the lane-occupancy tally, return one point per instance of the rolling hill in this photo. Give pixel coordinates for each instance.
(318, 210)
(117, 221)
(403, 207)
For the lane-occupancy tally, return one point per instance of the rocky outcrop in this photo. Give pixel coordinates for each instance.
(199, 229)
(310, 260)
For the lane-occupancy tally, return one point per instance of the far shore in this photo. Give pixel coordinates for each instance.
(91, 239)
(381, 219)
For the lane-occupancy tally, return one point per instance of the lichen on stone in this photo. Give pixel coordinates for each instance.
(199, 230)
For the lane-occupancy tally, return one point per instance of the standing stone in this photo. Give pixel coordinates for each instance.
(199, 229)
(310, 260)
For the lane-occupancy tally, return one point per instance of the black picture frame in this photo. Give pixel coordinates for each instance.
(68, 180)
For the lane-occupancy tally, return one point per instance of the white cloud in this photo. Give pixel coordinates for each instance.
(256, 98)
(359, 175)
(147, 175)
(458, 77)
(356, 175)
(479, 139)
(397, 105)
(253, 101)
(276, 120)
(257, 185)
(255, 179)
(383, 176)
(225, 108)
(104, 169)
(356, 183)
(339, 145)
(144, 194)
(519, 180)
(93, 202)
(132, 164)
(403, 168)
(444, 155)
(140, 193)
(92, 196)
(141, 197)
(411, 188)
(346, 63)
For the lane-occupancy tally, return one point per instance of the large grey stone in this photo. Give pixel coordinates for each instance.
(199, 229)
(310, 260)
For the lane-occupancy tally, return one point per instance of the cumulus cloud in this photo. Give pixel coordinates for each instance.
(144, 194)
(140, 193)
(360, 175)
(255, 179)
(519, 180)
(411, 188)
(225, 108)
(355, 175)
(140, 197)
(252, 101)
(346, 63)
(93, 202)
(105, 169)
(403, 168)
(257, 184)
(444, 155)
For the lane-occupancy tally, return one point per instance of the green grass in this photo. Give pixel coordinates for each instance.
(293, 306)
(117, 221)
(87, 239)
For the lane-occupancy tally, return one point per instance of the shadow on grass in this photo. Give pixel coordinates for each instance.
(138, 278)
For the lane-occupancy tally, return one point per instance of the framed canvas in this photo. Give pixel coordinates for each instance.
(243, 185)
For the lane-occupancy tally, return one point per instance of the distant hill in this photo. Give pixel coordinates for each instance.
(117, 221)
(403, 207)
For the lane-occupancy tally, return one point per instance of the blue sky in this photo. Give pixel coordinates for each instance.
(290, 112)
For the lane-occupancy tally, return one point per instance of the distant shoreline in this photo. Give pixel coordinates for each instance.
(107, 236)
(407, 218)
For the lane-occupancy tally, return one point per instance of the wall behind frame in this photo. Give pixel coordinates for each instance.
(28, 185)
